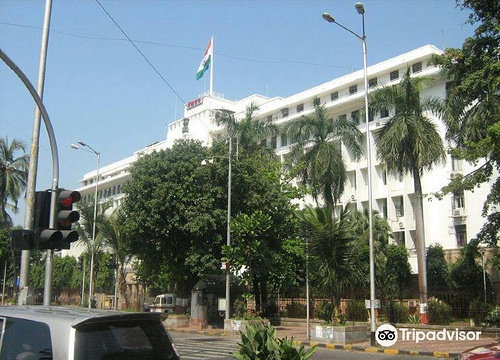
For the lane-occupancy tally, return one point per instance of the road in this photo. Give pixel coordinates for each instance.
(199, 347)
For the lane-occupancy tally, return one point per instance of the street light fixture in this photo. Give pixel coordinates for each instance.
(88, 148)
(361, 10)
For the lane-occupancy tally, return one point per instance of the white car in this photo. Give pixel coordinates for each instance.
(60, 333)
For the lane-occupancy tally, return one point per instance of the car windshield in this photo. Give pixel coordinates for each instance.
(124, 340)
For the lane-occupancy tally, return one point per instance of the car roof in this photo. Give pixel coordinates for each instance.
(60, 320)
(72, 316)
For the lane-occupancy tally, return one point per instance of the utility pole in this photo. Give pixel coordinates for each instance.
(33, 165)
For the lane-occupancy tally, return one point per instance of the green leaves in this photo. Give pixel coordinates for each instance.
(260, 343)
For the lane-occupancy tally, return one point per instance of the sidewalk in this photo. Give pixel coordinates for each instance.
(439, 349)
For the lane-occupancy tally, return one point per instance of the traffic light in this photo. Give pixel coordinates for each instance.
(67, 216)
(46, 238)
(301, 276)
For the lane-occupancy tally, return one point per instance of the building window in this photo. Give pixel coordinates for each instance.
(399, 238)
(355, 116)
(399, 206)
(342, 117)
(461, 235)
(372, 83)
(334, 96)
(370, 115)
(284, 112)
(384, 208)
(269, 118)
(284, 140)
(263, 142)
(274, 142)
(353, 89)
(300, 107)
(458, 200)
(384, 113)
(417, 67)
(384, 177)
(394, 75)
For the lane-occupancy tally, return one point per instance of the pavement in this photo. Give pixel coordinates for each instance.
(449, 348)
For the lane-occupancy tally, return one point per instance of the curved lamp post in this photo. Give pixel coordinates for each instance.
(361, 10)
(88, 148)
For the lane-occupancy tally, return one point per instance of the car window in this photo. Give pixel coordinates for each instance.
(124, 340)
(25, 339)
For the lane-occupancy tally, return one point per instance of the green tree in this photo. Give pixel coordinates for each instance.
(473, 107)
(175, 211)
(85, 229)
(332, 266)
(13, 177)
(113, 233)
(409, 143)
(398, 271)
(438, 272)
(317, 154)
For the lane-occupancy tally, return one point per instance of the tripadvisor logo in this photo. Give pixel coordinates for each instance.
(386, 335)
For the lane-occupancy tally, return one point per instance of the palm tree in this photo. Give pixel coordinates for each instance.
(247, 131)
(409, 143)
(331, 251)
(113, 236)
(13, 177)
(317, 154)
(84, 227)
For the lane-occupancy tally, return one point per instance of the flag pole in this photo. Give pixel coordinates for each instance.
(212, 68)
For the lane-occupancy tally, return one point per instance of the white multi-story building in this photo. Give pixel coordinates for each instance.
(452, 221)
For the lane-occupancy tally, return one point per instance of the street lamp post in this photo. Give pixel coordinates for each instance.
(361, 10)
(483, 251)
(83, 146)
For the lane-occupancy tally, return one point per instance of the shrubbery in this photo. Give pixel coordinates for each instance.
(439, 312)
(325, 311)
(397, 313)
(493, 317)
(356, 311)
(296, 310)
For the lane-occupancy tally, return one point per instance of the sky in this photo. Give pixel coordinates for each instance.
(101, 90)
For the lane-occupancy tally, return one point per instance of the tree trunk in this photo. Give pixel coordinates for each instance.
(420, 245)
(256, 292)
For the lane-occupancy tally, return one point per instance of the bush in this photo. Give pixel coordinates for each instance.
(493, 317)
(296, 310)
(325, 311)
(356, 311)
(239, 309)
(397, 313)
(260, 342)
(478, 311)
(439, 312)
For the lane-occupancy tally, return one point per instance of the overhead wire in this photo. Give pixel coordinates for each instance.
(140, 52)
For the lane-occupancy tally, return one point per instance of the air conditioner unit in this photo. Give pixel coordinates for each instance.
(401, 225)
(458, 212)
(353, 197)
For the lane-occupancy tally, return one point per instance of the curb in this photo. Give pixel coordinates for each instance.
(370, 349)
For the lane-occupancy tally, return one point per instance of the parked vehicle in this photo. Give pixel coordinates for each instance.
(164, 303)
(483, 352)
(59, 333)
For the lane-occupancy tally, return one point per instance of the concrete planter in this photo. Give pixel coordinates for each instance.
(176, 321)
(240, 325)
(340, 334)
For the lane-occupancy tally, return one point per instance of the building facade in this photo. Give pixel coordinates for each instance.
(451, 221)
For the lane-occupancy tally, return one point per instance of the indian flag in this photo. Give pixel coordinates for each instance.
(205, 62)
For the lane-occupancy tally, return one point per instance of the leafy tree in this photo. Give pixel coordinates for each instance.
(438, 272)
(85, 228)
(112, 230)
(332, 266)
(466, 274)
(174, 216)
(359, 224)
(473, 107)
(248, 131)
(409, 143)
(317, 154)
(398, 271)
(13, 177)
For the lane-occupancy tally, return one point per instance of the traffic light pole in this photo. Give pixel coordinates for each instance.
(53, 147)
